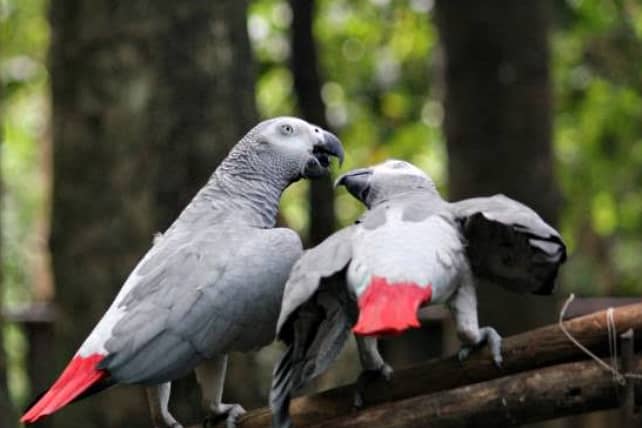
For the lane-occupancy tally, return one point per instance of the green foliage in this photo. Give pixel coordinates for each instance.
(382, 96)
(24, 107)
(15, 346)
(23, 121)
(376, 61)
(379, 61)
(597, 58)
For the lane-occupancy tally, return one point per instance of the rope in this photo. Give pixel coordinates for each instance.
(620, 378)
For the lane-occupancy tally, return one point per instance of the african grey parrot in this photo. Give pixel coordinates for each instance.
(411, 248)
(211, 284)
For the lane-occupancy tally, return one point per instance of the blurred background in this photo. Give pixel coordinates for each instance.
(114, 113)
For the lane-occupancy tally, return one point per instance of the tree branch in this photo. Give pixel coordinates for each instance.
(412, 390)
(535, 349)
(534, 396)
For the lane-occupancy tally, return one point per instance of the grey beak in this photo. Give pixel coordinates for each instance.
(357, 182)
(331, 145)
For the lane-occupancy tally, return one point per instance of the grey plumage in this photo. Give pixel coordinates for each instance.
(225, 270)
(194, 288)
(509, 244)
(318, 263)
(212, 283)
(315, 334)
(411, 237)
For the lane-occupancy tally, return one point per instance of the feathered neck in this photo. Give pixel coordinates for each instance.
(245, 188)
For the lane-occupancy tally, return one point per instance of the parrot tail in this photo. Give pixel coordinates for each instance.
(390, 308)
(280, 392)
(79, 376)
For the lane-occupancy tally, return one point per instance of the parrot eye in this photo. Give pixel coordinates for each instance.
(287, 129)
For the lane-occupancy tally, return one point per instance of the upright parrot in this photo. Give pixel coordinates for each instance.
(211, 284)
(410, 248)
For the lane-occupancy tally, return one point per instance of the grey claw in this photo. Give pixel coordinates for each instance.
(498, 362)
(367, 377)
(489, 337)
(230, 412)
(357, 401)
(464, 352)
(386, 372)
(494, 342)
(233, 415)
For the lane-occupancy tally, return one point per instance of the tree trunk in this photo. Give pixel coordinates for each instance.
(148, 97)
(498, 122)
(307, 84)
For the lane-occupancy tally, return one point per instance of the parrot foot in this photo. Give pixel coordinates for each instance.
(367, 377)
(167, 422)
(230, 412)
(490, 337)
(464, 353)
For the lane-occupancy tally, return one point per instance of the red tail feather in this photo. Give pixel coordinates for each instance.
(80, 374)
(390, 308)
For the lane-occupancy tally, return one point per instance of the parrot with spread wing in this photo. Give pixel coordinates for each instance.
(211, 284)
(410, 248)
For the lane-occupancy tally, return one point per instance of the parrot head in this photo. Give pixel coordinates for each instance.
(392, 177)
(297, 148)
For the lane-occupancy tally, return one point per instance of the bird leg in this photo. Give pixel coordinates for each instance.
(463, 306)
(210, 375)
(373, 367)
(158, 400)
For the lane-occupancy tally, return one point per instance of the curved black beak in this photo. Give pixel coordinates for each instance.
(329, 145)
(357, 182)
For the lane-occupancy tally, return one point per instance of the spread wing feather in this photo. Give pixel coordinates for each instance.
(322, 261)
(316, 316)
(509, 244)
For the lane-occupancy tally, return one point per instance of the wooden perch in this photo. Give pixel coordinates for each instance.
(34, 313)
(535, 349)
(534, 396)
(588, 305)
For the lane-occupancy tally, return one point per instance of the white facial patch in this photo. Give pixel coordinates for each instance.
(287, 131)
(398, 167)
(291, 137)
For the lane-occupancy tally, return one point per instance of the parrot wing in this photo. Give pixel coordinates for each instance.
(192, 301)
(316, 317)
(509, 244)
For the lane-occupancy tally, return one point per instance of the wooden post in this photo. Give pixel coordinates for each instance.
(627, 343)
(37, 321)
